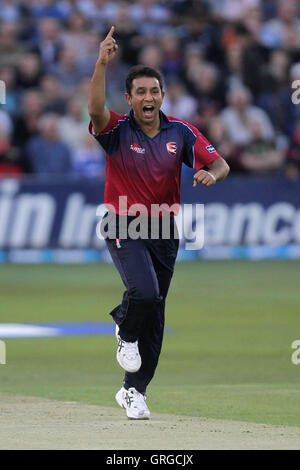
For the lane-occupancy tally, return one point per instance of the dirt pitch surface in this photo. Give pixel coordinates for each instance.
(37, 423)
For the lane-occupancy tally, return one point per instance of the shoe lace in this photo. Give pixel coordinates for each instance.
(130, 349)
(138, 398)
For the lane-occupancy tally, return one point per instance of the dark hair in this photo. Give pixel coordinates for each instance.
(142, 71)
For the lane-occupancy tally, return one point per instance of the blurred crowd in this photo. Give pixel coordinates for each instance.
(228, 68)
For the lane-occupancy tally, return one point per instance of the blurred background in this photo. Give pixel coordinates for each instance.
(228, 68)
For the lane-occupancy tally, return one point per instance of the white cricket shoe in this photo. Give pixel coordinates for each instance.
(134, 403)
(128, 355)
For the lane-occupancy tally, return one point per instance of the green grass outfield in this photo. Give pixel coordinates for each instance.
(228, 354)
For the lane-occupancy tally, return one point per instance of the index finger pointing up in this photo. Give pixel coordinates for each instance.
(111, 32)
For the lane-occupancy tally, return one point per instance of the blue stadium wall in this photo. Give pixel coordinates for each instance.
(54, 219)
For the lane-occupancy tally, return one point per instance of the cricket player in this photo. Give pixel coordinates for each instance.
(144, 154)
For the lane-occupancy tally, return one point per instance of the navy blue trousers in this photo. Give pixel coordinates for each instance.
(146, 267)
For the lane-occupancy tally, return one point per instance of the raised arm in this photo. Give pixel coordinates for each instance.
(98, 112)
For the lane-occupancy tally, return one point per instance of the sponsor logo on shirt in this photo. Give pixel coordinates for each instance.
(172, 148)
(210, 148)
(136, 148)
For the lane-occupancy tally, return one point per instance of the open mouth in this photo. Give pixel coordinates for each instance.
(148, 110)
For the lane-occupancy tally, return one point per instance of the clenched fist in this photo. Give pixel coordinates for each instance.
(108, 48)
(204, 177)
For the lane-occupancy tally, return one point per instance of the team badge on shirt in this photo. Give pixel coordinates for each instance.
(172, 148)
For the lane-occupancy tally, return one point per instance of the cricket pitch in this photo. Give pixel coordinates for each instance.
(38, 423)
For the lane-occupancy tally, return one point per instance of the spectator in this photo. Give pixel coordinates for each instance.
(53, 99)
(232, 10)
(72, 127)
(217, 135)
(9, 157)
(239, 114)
(26, 124)
(91, 9)
(202, 78)
(126, 34)
(172, 64)
(100, 12)
(75, 35)
(149, 16)
(9, 12)
(178, 103)
(29, 71)
(278, 67)
(234, 65)
(82, 92)
(88, 160)
(6, 125)
(268, 9)
(12, 94)
(208, 87)
(205, 113)
(193, 61)
(152, 56)
(67, 69)
(87, 62)
(115, 76)
(253, 21)
(199, 30)
(276, 91)
(48, 42)
(11, 49)
(284, 30)
(50, 9)
(47, 154)
(261, 156)
(48, 50)
(253, 60)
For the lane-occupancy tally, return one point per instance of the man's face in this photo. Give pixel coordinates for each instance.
(146, 99)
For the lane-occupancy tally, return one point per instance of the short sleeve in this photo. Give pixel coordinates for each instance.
(109, 137)
(198, 150)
